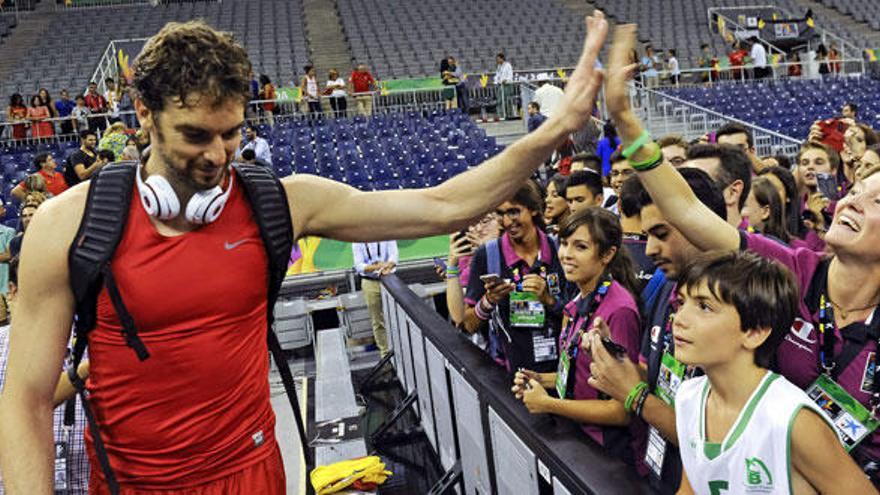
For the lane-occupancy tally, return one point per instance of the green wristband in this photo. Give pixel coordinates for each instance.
(643, 139)
(653, 161)
(627, 404)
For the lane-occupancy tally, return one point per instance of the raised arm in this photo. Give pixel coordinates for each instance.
(409, 214)
(677, 203)
(37, 344)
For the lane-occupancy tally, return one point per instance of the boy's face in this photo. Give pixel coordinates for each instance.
(707, 332)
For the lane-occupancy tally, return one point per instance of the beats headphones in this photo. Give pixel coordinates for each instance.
(160, 200)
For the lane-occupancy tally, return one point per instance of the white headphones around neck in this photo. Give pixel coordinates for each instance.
(160, 200)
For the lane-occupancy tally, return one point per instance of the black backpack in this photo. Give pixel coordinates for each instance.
(100, 231)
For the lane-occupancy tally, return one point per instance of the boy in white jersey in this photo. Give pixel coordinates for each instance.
(741, 428)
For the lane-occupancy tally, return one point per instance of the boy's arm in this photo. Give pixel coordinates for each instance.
(816, 453)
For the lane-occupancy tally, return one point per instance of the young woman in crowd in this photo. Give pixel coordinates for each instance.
(593, 258)
(308, 87)
(131, 152)
(765, 211)
(856, 140)
(556, 209)
(801, 236)
(44, 95)
(832, 348)
(17, 113)
(267, 92)
(37, 113)
(517, 288)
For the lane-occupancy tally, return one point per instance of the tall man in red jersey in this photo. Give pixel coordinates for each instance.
(196, 415)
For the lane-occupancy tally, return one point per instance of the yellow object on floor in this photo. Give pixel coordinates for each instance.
(335, 477)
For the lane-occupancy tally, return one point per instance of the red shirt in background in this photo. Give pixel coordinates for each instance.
(362, 82)
(96, 103)
(55, 183)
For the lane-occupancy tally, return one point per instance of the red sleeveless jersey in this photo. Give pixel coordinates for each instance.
(198, 408)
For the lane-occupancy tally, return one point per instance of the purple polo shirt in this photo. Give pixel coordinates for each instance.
(798, 354)
(620, 311)
(510, 259)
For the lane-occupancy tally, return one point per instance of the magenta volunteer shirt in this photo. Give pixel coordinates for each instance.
(621, 313)
(798, 355)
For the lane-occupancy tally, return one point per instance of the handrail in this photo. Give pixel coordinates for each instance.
(574, 459)
(737, 26)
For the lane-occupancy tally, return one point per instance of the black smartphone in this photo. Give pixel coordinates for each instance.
(828, 186)
(614, 348)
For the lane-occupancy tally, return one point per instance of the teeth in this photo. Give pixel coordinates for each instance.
(849, 223)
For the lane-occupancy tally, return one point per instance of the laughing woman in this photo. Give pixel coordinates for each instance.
(592, 258)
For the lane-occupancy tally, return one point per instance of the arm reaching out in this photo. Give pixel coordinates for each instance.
(667, 188)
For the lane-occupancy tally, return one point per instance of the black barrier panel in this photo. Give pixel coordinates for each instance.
(563, 451)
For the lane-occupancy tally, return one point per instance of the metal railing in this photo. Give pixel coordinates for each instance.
(666, 114)
(96, 121)
(714, 13)
(744, 74)
(91, 4)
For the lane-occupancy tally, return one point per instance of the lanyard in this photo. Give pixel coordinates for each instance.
(378, 252)
(827, 359)
(585, 310)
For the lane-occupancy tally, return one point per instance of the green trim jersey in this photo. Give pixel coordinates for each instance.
(755, 456)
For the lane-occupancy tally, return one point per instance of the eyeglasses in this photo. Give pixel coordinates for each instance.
(512, 213)
(677, 161)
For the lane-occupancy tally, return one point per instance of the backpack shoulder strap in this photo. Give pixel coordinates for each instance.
(100, 230)
(271, 211)
(493, 257)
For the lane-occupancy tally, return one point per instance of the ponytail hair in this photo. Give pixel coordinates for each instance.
(767, 196)
(607, 234)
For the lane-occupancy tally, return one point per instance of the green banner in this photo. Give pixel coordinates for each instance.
(412, 84)
(287, 94)
(316, 254)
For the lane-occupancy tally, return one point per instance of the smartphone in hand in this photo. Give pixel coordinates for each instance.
(614, 348)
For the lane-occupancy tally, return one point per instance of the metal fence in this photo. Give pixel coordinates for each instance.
(88, 4)
(665, 114)
(806, 69)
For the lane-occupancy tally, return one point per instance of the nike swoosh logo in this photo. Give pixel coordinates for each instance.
(234, 245)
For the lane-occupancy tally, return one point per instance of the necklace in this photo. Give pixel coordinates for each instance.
(844, 312)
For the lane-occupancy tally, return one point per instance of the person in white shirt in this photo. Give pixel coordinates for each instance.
(759, 59)
(258, 144)
(547, 95)
(674, 69)
(336, 94)
(503, 77)
(372, 260)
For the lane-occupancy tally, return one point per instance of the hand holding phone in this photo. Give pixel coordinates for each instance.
(614, 348)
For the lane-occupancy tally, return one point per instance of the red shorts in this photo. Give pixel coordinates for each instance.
(263, 478)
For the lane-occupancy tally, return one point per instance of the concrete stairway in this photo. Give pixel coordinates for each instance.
(327, 46)
(32, 26)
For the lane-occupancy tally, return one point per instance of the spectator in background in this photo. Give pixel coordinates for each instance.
(502, 80)
(758, 55)
(114, 139)
(97, 105)
(764, 210)
(607, 145)
(248, 156)
(850, 111)
(44, 165)
(308, 87)
(649, 65)
(111, 94)
(49, 103)
(34, 189)
(547, 95)
(372, 260)
(583, 189)
(258, 144)
(131, 151)
(447, 76)
(80, 114)
(834, 59)
(6, 235)
(822, 59)
(737, 58)
(255, 94)
(267, 92)
(783, 180)
(38, 113)
(730, 169)
(706, 62)
(673, 68)
(740, 136)
(794, 70)
(25, 214)
(556, 206)
(536, 118)
(64, 107)
(336, 94)
(362, 82)
(16, 113)
(82, 163)
(461, 91)
(674, 149)
(126, 107)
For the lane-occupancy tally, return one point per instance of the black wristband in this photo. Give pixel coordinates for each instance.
(640, 403)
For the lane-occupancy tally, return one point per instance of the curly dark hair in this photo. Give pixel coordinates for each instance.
(191, 59)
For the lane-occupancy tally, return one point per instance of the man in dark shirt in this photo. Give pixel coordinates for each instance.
(64, 106)
(82, 163)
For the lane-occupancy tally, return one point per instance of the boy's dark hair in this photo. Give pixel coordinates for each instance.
(630, 192)
(83, 135)
(852, 106)
(606, 233)
(501, 56)
(536, 105)
(731, 128)
(591, 161)
(734, 165)
(588, 178)
(248, 154)
(40, 159)
(700, 183)
(764, 293)
(530, 196)
(79, 97)
(107, 155)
